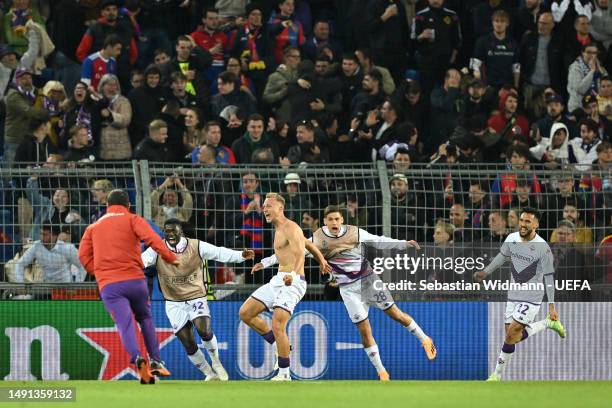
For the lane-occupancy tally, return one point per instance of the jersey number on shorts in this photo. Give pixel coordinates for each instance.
(522, 308)
(197, 306)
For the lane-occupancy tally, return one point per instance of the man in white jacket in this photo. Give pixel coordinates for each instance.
(555, 148)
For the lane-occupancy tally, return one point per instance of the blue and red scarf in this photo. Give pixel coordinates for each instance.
(252, 225)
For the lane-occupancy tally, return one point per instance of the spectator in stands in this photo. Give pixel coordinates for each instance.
(193, 66)
(604, 97)
(444, 112)
(565, 193)
(508, 122)
(252, 46)
(100, 190)
(478, 204)
(369, 99)
(193, 135)
(254, 138)
(296, 202)
(57, 258)
(310, 222)
(136, 78)
(528, 17)
(498, 228)
(80, 147)
(101, 62)
(321, 39)
(57, 210)
(523, 196)
(23, 106)
(443, 234)
(578, 39)
(585, 146)
(209, 37)
(569, 260)
(78, 111)
(355, 214)
(244, 213)
(364, 56)
(438, 36)
(496, 55)
(406, 138)
(555, 150)
(415, 106)
(111, 23)
(513, 216)
(474, 102)
(16, 23)
(555, 113)
(589, 110)
(231, 94)
(383, 126)
(146, 103)
(313, 96)
(115, 114)
(582, 234)
(284, 29)
(407, 218)
(244, 81)
(10, 61)
(54, 100)
(171, 199)
(154, 148)
(37, 148)
(464, 231)
(178, 92)
(387, 25)
(308, 149)
(212, 137)
(277, 87)
(601, 21)
(584, 75)
(541, 55)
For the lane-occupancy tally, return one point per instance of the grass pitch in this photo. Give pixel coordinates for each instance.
(320, 394)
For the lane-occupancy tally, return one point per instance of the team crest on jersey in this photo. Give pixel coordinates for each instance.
(447, 20)
(324, 244)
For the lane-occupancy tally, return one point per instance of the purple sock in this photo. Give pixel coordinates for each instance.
(208, 336)
(269, 337)
(508, 348)
(525, 335)
(283, 362)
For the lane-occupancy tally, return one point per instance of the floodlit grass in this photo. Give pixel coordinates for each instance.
(319, 394)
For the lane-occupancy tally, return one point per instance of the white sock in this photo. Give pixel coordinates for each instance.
(502, 361)
(284, 371)
(212, 348)
(374, 357)
(536, 327)
(198, 360)
(416, 331)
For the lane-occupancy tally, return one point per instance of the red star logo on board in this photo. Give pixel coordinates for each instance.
(116, 363)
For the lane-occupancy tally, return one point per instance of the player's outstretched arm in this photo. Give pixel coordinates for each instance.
(144, 232)
(222, 254)
(323, 265)
(496, 263)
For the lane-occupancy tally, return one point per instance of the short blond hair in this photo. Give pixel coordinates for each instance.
(446, 227)
(103, 184)
(156, 125)
(275, 196)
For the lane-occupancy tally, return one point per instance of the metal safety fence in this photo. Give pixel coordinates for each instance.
(447, 208)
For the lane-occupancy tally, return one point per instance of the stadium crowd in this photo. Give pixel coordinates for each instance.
(294, 82)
